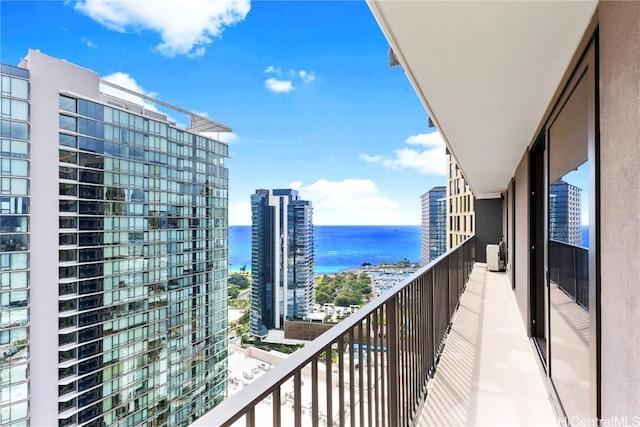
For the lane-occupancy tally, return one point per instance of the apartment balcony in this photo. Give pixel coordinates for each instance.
(445, 347)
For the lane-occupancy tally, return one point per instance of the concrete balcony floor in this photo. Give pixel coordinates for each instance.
(488, 373)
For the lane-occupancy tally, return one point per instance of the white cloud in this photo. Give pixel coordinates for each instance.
(278, 86)
(372, 159)
(88, 42)
(433, 139)
(240, 213)
(273, 70)
(306, 76)
(428, 161)
(285, 85)
(185, 27)
(228, 137)
(295, 185)
(348, 202)
(125, 80)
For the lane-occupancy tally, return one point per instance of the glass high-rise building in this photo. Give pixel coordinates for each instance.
(282, 259)
(434, 224)
(565, 213)
(14, 246)
(114, 255)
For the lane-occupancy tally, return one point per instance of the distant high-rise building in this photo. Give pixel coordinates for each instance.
(14, 248)
(460, 205)
(434, 224)
(282, 259)
(565, 213)
(114, 255)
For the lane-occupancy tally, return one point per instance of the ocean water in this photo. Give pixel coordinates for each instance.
(585, 236)
(340, 248)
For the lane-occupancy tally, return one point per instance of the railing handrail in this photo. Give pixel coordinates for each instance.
(230, 409)
(568, 244)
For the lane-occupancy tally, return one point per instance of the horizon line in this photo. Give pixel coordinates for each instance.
(345, 225)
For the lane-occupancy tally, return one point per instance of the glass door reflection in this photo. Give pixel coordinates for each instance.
(568, 253)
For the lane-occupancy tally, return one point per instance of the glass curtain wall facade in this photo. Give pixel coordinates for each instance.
(14, 247)
(434, 224)
(113, 253)
(565, 213)
(282, 259)
(301, 259)
(262, 314)
(143, 269)
(439, 245)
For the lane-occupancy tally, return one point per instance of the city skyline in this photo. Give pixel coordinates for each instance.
(299, 83)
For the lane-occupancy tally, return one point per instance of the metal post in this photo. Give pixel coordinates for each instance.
(392, 351)
(250, 417)
(275, 406)
(341, 380)
(297, 398)
(369, 379)
(328, 377)
(352, 381)
(314, 392)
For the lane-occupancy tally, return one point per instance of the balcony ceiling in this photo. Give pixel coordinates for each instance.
(485, 72)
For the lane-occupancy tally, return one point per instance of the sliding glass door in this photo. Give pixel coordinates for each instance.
(570, 209)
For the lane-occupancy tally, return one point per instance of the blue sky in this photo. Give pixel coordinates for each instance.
(305, 86)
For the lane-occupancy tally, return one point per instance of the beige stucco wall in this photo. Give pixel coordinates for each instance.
(522, 239)
(510, 195)
(620, 207)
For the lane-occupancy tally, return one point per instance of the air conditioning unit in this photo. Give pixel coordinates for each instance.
(493, 257)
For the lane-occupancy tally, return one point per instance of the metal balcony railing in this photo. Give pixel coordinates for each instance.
(569, 269)
(371, 369)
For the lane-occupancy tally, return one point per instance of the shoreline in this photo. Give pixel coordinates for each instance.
(358, 269)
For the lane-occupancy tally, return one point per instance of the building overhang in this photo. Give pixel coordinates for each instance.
(199, 124)
(485, 72)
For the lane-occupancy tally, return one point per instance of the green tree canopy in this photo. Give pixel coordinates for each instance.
(323, 298)
(240, 280)
(234, 291)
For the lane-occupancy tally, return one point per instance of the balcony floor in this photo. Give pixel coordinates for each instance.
(488, 374)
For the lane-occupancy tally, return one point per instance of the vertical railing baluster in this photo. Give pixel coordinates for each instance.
(352, 381)
(414, 347)
(416, 343)
(376, 344)
(400, 357)
(341, 380)
(402, 339)
(392, 351)
(406, 308)
(419, 333)
(369, 379)
(421, 315)
(297, 398)
(315, 400)
(329, 385)
(277, 418)
(250, 417)
(410, 371)
(384, 358)
(361, 371)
